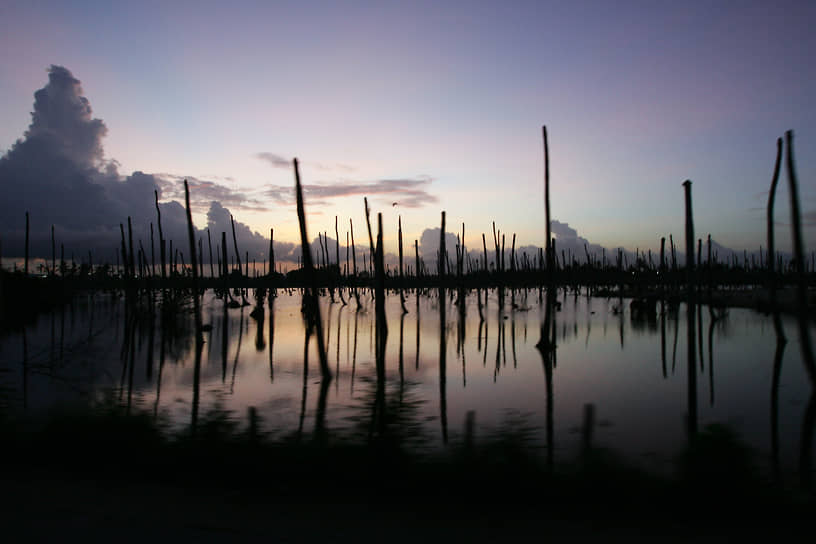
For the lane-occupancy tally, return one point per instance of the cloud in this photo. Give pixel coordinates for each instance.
(407, 193)
(567, 243)
(562, 230)
(333, 167)
(275, 160)
(58, 173)
(278, 161)
(202, 192)
(429, 246)
(62, 120)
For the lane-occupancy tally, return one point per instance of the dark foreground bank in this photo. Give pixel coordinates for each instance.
(103, 475)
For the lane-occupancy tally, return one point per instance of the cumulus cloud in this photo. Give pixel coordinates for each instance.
(567, 241)
(562, 230)
(407, 193)
(58, 173)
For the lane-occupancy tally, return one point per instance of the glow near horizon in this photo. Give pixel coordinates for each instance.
(637, 98)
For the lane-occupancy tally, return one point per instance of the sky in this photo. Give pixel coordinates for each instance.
(421, 106)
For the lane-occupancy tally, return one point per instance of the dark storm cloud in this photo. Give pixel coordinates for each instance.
(58, 173)
(407, 193)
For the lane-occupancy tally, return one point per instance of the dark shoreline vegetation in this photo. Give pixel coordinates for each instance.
(716, 478)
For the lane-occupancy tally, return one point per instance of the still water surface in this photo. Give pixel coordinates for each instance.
(633, 370)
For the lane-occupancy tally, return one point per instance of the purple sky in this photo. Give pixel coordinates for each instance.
(438, 106)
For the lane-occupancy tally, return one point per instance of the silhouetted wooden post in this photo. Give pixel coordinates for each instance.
(780, 333)
(370, 237)
(379, 273)
(337, 245)
(497, 257)
(690, 314)
(484, 253)
(25, 263)
(547, 199)
(224, 265)
(443, 345)
(142, 261)
(131, 262)
(152, 253)
(418, 271)
(461, 260)
(235, 245)
(353, 249)
(673, 254)
(124, 251)
(442, 252)
(502, 253)
(321, 261)
(271, 252)
(513, 254)
(545, 345)
(311, 297)
(402, 281)
(162, 245)
(196, 305)
(799, 263)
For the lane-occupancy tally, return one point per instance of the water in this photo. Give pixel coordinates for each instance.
(634, 371)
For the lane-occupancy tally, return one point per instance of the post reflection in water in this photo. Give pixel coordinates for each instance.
(237, 350)
(271, 337)
(443, 348)
(641, 402)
